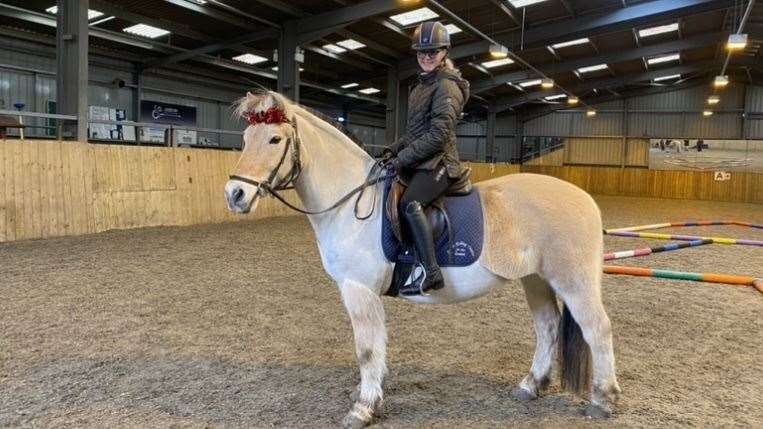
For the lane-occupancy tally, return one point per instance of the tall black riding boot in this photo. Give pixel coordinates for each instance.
(419, 226)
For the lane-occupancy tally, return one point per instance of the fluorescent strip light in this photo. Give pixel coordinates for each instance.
(351, 44)
(334, 48)
(713, 99)
(573, 100)
(555, 97)
(349, 85)
(101, 21)
(497, 63)
(201, 2)
(721, 81)
(589, 69)
(669, 77)
(527, 83)
(145, 30)
(453, 29)
(414, 16)
(522, 3)
(663, 59)
(651, 31)
(250, 59)
(570, 43)
(707, 113)
(590, 113)
(369, 91)
(91, 14)
(547, 83)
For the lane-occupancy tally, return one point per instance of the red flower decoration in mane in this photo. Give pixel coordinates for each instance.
(273, 115)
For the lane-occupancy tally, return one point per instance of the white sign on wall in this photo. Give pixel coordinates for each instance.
(722, 176)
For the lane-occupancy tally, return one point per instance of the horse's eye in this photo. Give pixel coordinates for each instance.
(275, 140)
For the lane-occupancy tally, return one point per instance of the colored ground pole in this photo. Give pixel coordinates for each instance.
(683, 275)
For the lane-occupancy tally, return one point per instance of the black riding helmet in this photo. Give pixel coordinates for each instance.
(430, 35)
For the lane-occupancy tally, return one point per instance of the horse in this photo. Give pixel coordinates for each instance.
(543, 231)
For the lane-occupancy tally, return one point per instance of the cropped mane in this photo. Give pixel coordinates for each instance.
(262, 100)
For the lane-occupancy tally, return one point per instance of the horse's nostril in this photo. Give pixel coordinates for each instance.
(237, 195)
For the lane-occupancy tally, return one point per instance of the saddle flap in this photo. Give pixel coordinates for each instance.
(393, 214)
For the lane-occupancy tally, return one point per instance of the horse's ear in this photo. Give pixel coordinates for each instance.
(249, 94)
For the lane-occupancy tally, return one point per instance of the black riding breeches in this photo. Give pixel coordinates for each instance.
(425, 186)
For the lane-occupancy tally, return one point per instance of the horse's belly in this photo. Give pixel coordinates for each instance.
(462, 284)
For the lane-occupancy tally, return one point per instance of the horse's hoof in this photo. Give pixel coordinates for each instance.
(597, 412)
(522, 394)
(352, 421)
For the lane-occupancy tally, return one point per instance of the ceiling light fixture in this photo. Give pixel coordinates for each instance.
(498, 51)
(497, 63)
(145, 30)
(653, 31)
(414, 16)
(669, 77)
(571, 43)
(736, 42)
(721, 81)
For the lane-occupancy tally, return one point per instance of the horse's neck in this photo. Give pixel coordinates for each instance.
(333, 166)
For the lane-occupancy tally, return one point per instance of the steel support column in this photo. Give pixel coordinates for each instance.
(519, 143)
(490, 137)
(402, 108)
(288, 68)
(72, 61)
(624, 128)
(137, 77)
(393, 93)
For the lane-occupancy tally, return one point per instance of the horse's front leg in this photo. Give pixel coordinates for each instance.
(367, 315)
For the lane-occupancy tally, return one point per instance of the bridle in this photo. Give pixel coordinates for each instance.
(275, 115)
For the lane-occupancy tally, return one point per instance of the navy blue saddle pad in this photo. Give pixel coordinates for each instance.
(466, 222)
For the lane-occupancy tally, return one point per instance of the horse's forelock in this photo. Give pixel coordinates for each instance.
(261, 101)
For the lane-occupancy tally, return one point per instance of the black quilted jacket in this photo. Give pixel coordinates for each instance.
(434, 108)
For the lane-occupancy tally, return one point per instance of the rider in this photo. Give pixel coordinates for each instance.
(426, 157)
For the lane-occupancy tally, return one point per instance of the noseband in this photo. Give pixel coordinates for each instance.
(276, 116)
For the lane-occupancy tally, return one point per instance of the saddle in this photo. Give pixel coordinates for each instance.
(436, 213)
(457, 228)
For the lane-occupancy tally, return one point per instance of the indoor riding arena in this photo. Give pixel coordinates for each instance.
(156, 270)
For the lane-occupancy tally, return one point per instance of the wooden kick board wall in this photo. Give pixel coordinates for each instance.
(641, 182)
(50, 188)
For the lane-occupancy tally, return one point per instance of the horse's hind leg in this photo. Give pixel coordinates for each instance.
(582, 296)
(545, 313)
(367, 315)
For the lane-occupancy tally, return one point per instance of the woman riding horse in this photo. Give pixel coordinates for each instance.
(426, 157)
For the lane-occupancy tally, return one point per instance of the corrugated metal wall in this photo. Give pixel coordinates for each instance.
(754, 105)
(29, 78)
(599, 140)
(674, 114)
(472, 139)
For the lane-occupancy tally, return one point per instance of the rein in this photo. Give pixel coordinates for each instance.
(375, 175)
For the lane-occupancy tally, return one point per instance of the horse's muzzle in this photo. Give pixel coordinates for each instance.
(238, 197)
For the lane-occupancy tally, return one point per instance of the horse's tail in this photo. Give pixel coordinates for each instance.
(574, 355)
